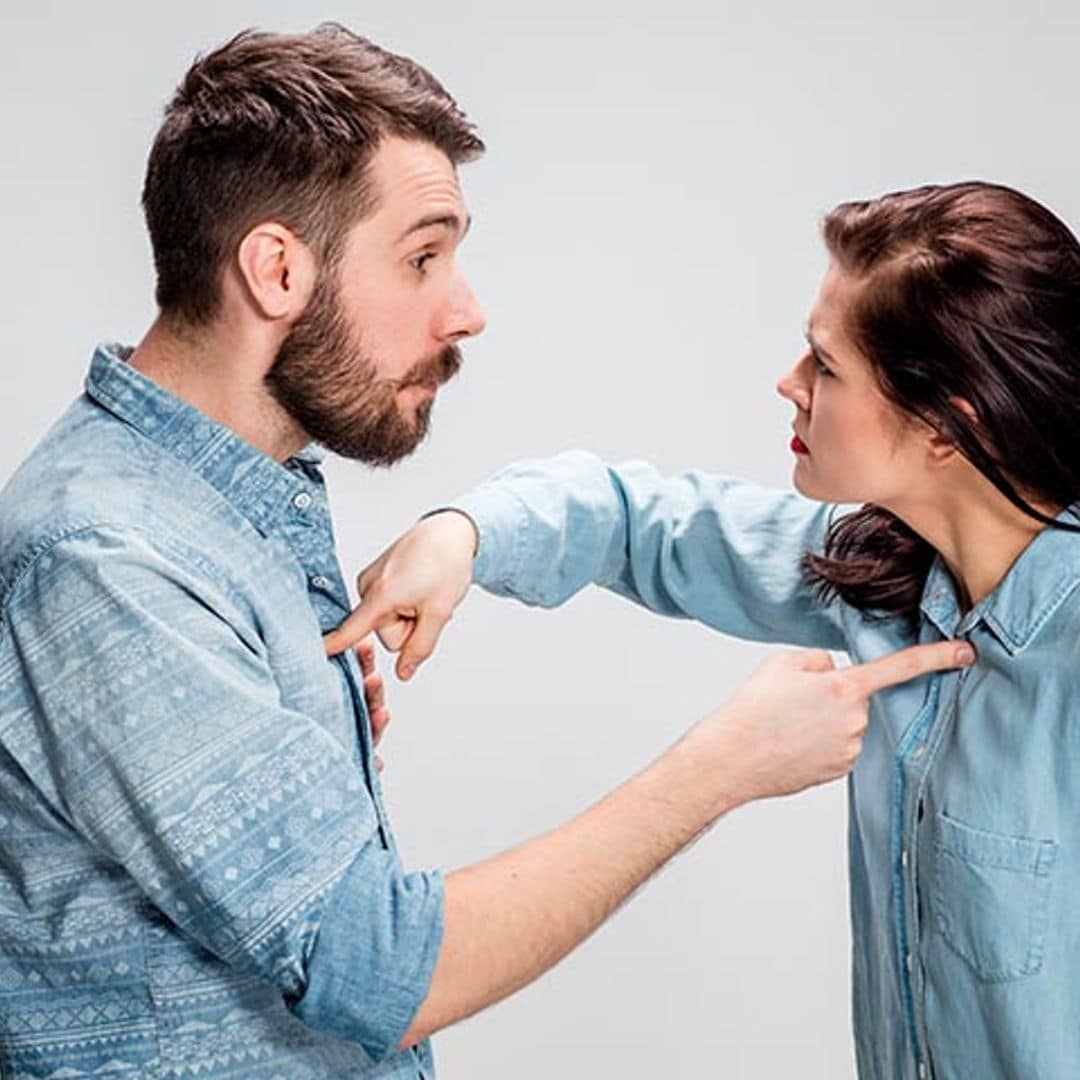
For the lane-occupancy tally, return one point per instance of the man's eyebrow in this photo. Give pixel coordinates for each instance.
(449, 221)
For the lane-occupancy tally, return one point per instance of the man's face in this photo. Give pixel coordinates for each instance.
(360, 368)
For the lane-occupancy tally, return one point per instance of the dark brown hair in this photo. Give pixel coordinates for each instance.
(967, 292)
(279, 127)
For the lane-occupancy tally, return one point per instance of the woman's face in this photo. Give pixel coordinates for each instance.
(851, 444)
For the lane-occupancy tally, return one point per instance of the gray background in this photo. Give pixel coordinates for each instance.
(645, 245)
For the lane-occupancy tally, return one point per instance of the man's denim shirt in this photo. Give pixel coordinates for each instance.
(197, 877)
(965, 803)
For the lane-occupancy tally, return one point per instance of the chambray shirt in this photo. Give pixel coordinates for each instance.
(197, 877)
(964, 806)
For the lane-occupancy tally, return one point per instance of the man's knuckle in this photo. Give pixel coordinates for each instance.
(841, 688)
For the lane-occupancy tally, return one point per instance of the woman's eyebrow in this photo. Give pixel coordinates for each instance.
(816, 345)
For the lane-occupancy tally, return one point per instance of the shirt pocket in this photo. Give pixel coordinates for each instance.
(991, 897)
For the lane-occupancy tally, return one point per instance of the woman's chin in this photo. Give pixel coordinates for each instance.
(805, 485)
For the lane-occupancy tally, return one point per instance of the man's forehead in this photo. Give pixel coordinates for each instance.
(414, 179)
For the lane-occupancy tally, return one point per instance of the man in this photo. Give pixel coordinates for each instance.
(196, 869)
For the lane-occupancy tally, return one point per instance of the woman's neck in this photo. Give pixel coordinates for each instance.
(978, 533)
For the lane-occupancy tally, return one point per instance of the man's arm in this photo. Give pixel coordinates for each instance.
(797, 722)
(140, 700)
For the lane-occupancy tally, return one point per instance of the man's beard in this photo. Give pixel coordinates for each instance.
(323, 379)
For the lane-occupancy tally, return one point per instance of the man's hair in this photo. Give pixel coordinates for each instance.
(280, 127)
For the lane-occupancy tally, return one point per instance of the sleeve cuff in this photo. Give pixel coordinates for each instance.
(500, 522)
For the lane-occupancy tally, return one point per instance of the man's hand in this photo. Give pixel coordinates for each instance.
(408, 594)
(796, 722)
(799, 721)
(374, 695)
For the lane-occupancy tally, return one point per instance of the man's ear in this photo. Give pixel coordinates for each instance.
(277, 269)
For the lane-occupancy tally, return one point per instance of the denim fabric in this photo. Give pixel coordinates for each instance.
(197, 877)
(963, 839)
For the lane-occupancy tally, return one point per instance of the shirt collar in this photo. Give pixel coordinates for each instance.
(261, 488)
(1035, 586)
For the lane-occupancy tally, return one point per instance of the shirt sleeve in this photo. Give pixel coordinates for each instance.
(155, 727)
(712, 548)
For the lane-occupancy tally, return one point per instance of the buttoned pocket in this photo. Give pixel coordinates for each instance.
(991, 897)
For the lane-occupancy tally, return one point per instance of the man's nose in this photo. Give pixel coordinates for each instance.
(466, 317)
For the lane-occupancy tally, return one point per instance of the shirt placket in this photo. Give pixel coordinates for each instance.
(310, 535)
(912, 760)
(916, 757)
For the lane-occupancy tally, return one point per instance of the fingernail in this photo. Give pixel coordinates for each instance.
(965, 654)
(406, 671)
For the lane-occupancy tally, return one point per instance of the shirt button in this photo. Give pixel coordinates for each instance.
(923, 1071)
(301, 500)
(903, 857)
(320, 582)
(909, 962)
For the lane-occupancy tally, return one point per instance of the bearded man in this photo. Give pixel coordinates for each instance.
(197, 874)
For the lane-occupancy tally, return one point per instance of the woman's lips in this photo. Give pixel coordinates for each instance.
(798, 446)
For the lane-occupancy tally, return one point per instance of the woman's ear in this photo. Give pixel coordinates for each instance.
(942, 446)
(277, 269)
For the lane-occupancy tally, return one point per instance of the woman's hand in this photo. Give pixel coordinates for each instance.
(409, 593)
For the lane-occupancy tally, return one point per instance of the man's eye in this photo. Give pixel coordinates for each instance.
(420, 260)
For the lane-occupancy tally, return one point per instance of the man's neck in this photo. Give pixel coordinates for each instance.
(223, 376)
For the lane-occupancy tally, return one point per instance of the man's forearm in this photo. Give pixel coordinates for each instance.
(512, 917)
(795, 722)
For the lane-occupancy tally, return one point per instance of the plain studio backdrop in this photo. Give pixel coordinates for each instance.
(645, 244)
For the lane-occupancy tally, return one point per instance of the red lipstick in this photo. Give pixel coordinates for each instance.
(798, 446)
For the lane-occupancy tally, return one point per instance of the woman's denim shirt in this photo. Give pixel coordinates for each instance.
(964, 806)
(197, 877)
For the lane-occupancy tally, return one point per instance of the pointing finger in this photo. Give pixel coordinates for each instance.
(358, 625)
(909, 663)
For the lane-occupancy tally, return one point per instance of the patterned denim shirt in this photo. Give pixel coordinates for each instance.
(963, 806)
(197, 877)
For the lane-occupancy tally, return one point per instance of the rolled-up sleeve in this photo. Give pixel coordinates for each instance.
(155, 727)
(351, 945)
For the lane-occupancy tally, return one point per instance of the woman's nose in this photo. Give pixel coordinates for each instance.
(793, 387)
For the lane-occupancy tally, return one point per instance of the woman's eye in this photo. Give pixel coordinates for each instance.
(819, 367)
(420, 260)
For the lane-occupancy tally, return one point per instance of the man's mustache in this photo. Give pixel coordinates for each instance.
(438, 369)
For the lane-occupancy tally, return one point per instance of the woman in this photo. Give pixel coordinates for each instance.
(941, 390)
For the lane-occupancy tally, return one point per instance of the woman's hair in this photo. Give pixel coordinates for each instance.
(966, 293)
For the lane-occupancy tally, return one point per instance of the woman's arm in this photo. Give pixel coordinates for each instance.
(715, 549)
(712, 548)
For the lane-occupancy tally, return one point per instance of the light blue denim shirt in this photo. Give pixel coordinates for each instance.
(197, 877)
(964, 807)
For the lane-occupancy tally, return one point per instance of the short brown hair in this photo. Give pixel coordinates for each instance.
(967, 292)
(280, 127)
